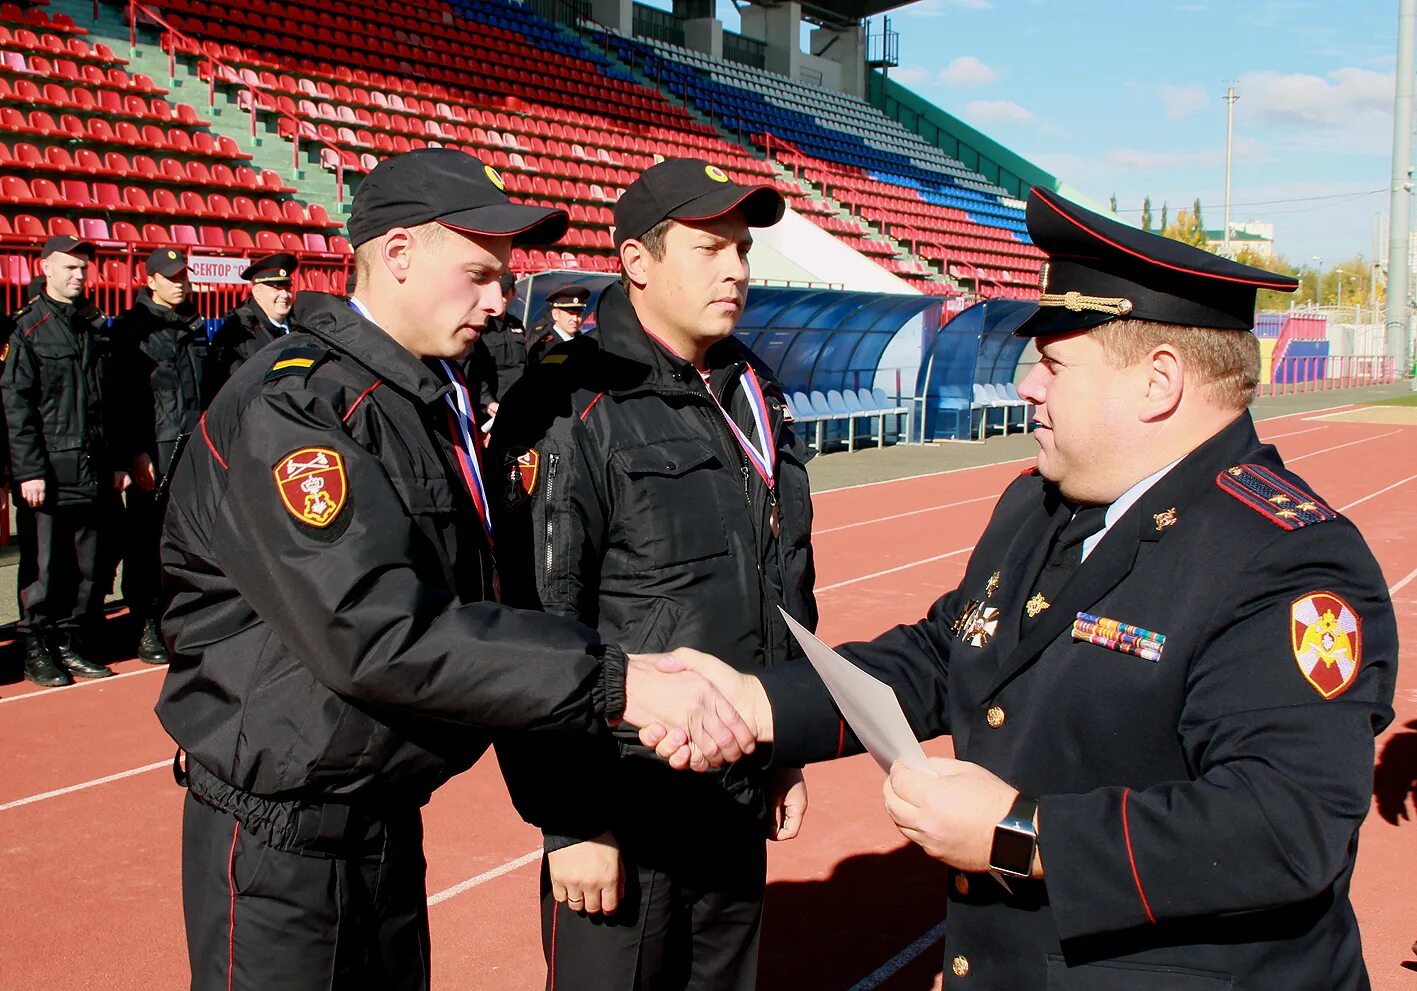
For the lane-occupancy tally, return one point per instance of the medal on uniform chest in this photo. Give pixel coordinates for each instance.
(977, 624)
(763, 459)
(1036, 605)
(992, 586)
(774, 520)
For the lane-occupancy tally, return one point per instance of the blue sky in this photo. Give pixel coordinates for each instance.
(1125, 96)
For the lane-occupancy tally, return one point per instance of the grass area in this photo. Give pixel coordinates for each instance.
(1397, 401)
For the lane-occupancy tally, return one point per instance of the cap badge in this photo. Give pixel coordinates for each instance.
(312, 484)
(715, 173)
(1328, 642)
(282, 273)
(172, 254)
(1076, 302)
(494, 177)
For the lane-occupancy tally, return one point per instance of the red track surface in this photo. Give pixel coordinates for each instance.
(91, 896)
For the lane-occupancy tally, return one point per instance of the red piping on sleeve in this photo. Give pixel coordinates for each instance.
(586, 412)
(210, 446)
(1136, 877)
(350, 412)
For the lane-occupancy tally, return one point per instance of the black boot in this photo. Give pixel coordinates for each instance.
(40, 666)
(66, 649)
(151, 649)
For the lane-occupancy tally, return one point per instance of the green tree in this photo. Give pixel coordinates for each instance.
(1146, 214)
(1187, 227)
(1196, 210)
(1165, 210)
(1114, 202)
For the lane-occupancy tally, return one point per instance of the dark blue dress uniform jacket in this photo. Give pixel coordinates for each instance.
(1199, 814)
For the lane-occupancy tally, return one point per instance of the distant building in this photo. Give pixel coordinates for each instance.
(1251, 234)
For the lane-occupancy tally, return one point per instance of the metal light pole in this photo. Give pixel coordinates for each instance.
(1230, 97)
(1399, 338)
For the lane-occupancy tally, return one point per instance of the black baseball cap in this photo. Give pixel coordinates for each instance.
(166, 262)
(453, 188)
(690, 189)
(1099, 269)
(67, 243)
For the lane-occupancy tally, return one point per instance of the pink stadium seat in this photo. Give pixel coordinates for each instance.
(316, 242)
(93, 229)
(185, 234)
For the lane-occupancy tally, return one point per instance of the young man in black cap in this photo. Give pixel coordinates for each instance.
(68, 462)
(337, 650)
(653, 490)
(567, 313)
(499, 357)
(1163, 669)
(161, 343)
(263, 318)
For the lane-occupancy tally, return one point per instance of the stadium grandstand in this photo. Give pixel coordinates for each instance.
(239, 129)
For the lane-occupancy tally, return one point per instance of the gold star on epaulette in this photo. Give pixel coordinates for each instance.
(1287, 514)
(1307, 507)
(1279, 500)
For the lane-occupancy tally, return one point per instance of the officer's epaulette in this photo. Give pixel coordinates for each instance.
(300, 360)
(1276, 499)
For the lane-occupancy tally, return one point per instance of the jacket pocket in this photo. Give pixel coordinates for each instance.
(672, 513)
(1118, 976)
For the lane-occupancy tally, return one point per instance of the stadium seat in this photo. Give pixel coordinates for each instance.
(93, 229)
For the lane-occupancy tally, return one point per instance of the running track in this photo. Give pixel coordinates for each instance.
(89, 817)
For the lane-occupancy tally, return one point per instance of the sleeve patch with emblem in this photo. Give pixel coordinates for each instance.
(1328, 642)
(312, 484)
(1276, 499)
(519, 467)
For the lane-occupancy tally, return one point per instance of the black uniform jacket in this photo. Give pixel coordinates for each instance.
(628, 504)
(162, 351)
(1199, 813)
(332, 638)
(499, 358)
(245, 331)
(58, 394)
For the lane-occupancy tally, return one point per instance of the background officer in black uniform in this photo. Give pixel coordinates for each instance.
(1162, 672)
(653, 490)
(336, 650)
(567, 313)
(68, 462)
(499, 357)
(263, 318)
(161, 343)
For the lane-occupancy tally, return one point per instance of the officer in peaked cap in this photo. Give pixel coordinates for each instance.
(337, 648)
(567, 306)
(261, 319)
(1162, 671)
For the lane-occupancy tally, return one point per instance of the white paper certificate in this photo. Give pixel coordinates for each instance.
(868, 704)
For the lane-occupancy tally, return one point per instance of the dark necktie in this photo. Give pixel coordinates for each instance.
(1063, 559)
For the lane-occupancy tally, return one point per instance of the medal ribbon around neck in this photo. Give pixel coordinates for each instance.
(764, 459)
(464, 423)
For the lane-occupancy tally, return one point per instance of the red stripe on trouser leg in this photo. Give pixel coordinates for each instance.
(551, 963)
(1136, 877)
(231, 924)
(841, 737)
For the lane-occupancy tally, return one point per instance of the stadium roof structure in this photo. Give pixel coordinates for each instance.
(838, 13)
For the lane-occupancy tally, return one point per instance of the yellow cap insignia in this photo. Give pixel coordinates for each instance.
(172, 255)
(715, 173)
(494, 177)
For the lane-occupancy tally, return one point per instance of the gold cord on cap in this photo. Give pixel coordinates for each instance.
(1117, 306)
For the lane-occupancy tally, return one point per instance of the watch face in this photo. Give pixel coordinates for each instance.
(1012, 851)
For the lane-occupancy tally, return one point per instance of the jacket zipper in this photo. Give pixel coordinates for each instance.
(552, 460)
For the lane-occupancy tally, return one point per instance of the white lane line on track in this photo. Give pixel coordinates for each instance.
(898, 962)
(1339, 447)
(1393, 590)
(900, 516)
(146, 669)
(1374, 495)
(1291, 433)
(81, 786)
(484, 877)
(891, 571)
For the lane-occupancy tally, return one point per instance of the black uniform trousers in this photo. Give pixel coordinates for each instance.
(272, 910)
(142, 564)
(60, 566)
(689, 921)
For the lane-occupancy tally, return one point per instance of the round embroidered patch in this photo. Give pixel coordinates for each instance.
(495, 177)
(312, 485)
(715, 173)
(1328, 642)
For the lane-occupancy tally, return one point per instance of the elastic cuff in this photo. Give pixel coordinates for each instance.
(608, 693)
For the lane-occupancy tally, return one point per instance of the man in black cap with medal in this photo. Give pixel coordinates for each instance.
(652, 488)
(337, 650)
(263, 318)
(566, 314)
(499, 357)
(68, 462)
(161, 344)
(1163, 670)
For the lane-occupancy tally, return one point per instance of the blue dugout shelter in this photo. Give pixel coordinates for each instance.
(977, 346)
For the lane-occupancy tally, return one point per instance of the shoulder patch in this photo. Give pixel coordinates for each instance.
(313, 485)
(1327, 637)
(300, 360)
(1276, 499)
(519, 470)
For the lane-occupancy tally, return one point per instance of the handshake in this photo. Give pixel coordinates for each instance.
(695, 711)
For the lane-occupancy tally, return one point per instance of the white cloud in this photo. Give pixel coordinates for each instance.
(1136, 159)
(997, 112)
(968, 71)
(942, 8)
(910, 75)
(1183, 101)
(1349, 108)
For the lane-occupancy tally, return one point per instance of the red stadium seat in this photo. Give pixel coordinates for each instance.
(237, 238)
(44, 191)
(13, 189)
(340, 245)
(218, 206)
(75, 193)
(267, 241)
(197, 173)
(291, 242)
(269, 212)
(178, 141)
(124, 231)
(59, 226)
(244, 208)
(294, 213)
(106, 195)
(212, 237)
(29, 226)
(172, 170)
(192, 203)
(156, 233)
(165, 201)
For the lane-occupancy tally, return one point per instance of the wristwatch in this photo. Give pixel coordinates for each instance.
(1015, 839)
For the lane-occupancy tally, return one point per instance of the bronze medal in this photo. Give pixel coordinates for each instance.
(775, 521)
